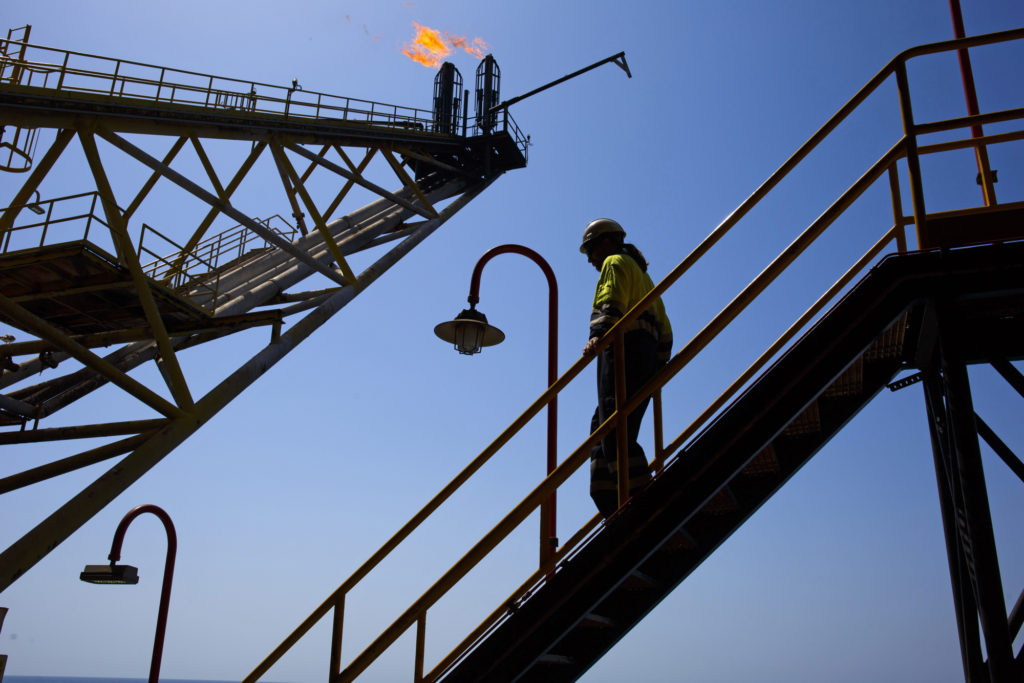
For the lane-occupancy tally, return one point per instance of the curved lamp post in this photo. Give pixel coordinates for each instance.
(35, 207)
(470, 332)
(127, 574)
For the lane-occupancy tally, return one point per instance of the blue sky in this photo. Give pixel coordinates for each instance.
(842, 576)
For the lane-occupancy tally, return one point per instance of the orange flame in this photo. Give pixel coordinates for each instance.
(430, 47)
(475, 48)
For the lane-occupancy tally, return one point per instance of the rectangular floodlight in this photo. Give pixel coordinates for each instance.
(110, 573)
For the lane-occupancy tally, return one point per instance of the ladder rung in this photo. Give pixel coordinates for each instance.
(637, 579)
(806, 423)
(721, 503)
(597, 620)
(680, 540)
(765, 462)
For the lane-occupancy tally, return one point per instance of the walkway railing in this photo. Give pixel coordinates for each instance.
(36, 66)
(75, 218)
(177, 267)
(64, 219)
(886, 172)
(196, 272)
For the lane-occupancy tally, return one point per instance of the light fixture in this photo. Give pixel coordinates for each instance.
(114, 574)
(469, 332)
(34, 206)
(125, 574)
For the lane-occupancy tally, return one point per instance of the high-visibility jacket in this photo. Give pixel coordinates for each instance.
(621, 285)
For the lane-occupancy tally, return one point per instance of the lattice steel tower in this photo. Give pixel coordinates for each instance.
(89, 302)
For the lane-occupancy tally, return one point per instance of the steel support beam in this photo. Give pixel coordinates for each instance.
(176, 382)
(964, 604)
(44, 330)
(24, 553)
(973, 560)
(1000, 448)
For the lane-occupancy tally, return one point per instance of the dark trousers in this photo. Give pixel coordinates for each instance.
(641, 364)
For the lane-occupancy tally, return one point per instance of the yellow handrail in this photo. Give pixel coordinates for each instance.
(576, 459)
(520, 593)
(905, 148)
(784, 339)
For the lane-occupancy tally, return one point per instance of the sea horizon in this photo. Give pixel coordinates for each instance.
(12, 678)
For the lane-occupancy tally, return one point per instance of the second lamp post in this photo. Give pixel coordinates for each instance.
(470, 332)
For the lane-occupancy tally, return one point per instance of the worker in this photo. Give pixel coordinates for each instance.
(648, 341)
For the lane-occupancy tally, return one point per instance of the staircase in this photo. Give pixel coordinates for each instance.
(883, 316)
(735, 465)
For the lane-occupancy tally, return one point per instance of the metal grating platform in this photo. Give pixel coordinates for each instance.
(80, 289)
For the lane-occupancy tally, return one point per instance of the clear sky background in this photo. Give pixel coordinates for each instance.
(842, 576)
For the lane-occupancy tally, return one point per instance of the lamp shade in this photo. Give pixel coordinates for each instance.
(110, 573)
(469, 332)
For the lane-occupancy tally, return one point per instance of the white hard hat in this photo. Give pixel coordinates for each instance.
(598, 227)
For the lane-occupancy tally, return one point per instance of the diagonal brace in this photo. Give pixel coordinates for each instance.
(288, 171)
(226, 208)
(1000, 447)
(406, 180)
(404, 203)
(41, 328)
(349, 183)
(148, 185)
(119, 232)
(243, 170)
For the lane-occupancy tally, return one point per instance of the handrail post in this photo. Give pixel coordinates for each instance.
(18, 68)
(659, 432)
(913, 159)
(336, 631)
(46, 228)
(621, 418)
(897, 209)
(421, 637)
(63, 71)
(113, 76)
(92, 212)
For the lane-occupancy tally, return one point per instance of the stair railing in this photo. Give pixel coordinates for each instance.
(74, 72)
(181, 266)
(906, 148)
(59, 217)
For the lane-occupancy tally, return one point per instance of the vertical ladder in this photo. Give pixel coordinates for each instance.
(17, 145)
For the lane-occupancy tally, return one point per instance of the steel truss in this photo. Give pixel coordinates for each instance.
(171, 308)
(986, 631)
